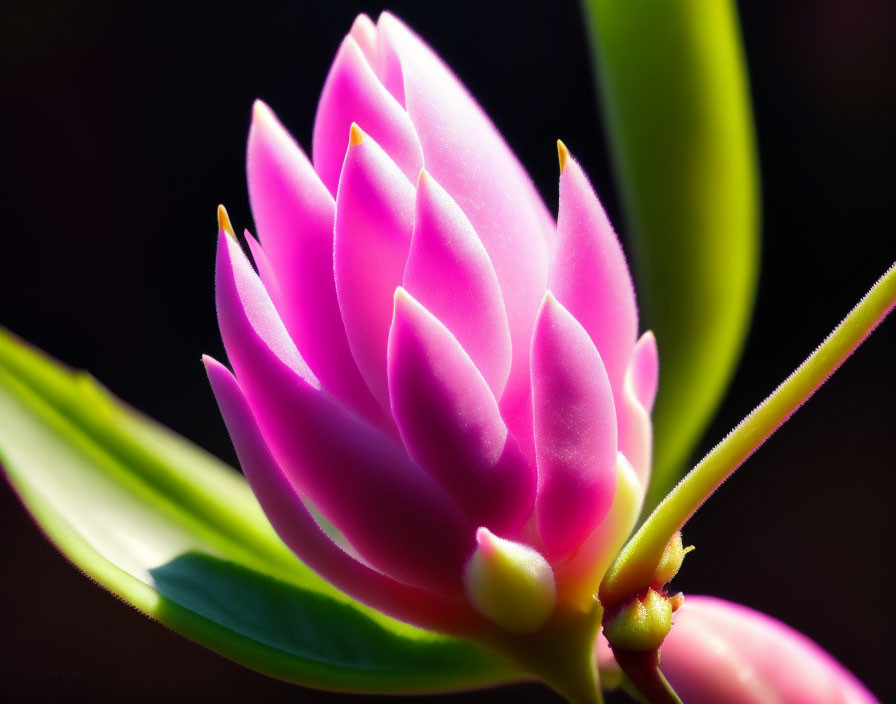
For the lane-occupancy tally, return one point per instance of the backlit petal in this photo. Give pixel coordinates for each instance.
(575, 430)
(374, 221)
(450, 421)
(297, 528)
(294, 216)
(449, 272)
(397, 518)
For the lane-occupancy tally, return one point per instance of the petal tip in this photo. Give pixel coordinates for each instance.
(224, 224)
(562, 154)
(355, 135)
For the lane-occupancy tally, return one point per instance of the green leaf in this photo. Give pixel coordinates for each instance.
(180, 536)
(674, 91)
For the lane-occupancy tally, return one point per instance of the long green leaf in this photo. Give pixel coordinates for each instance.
(674, 91)
(179, 535)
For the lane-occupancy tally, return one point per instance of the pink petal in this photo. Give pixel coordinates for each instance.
(449, 272)
(396, 517)
(575, 430)
(579, 576)
(466, 154)
(450, 422)
(294, 524)
(265, 272)
(363, 31)
(589, 274)
(722, 653)
(374, 221)
(633, 408)
(294, 215)
(353, 93)
(644, 370)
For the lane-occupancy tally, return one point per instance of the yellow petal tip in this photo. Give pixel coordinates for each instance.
(224, 221)
(356, 136)
(562, 154)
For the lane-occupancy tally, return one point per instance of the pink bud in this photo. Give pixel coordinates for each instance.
(399, 365)
(723, 653)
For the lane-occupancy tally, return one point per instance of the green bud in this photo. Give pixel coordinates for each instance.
(671, 561)
(509, 583)
(641, 624)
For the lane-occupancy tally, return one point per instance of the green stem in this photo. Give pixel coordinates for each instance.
(634, 567)
(643, 672)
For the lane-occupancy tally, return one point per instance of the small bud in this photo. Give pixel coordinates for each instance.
(677, 601)
(671, 561)
(510, 583)
(641, 624)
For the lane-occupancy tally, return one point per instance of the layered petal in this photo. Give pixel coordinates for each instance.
(264, 269)
(449, 272)
(353, 93)
(450, 422)
(465, 153)
(723, 653)
(374, 222)
(294, 216)
(297, 528)
(579, 576)
(575, 430)
(633, 408)
(397, 518)
(589, 274)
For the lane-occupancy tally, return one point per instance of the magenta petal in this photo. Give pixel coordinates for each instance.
(575, 430)
(466, 154)
(353, 93)
(589, 274)
(396, 517)
(294, 524)
(722, 653)
(449, 272)
(294, 215)
(265, 272)
(450, 422)
(374, 221)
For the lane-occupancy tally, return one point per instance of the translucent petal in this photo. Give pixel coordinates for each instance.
(449, 272)
(589, 274)
(450, 421)
(466, 154)
(396, 517)
(294, 216)
(575, 430)
(353, 93)
(719, 652)
(297, 528)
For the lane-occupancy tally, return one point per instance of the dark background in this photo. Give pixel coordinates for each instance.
(124, 125)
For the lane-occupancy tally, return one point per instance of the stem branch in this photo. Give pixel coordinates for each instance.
(634, 567)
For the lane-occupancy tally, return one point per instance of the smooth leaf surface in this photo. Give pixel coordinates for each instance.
(179, 535)
(674, 90)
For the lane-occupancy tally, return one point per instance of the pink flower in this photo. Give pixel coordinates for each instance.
(427, 367)
(723, 653)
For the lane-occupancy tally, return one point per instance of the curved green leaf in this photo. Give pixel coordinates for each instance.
(179, 535)
(674, 91)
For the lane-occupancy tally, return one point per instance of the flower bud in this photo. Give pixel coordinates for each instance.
(510, 583)
(671, 561)
(640, 625)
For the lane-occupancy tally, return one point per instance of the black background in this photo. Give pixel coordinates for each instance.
(124, 125)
